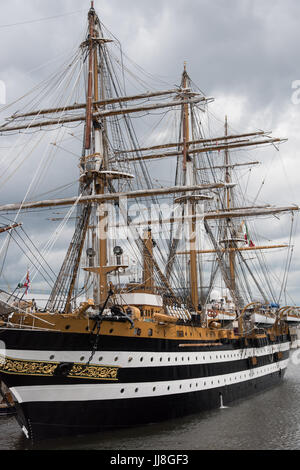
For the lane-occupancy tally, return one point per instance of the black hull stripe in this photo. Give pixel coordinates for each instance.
(54, 419)
(58, 341)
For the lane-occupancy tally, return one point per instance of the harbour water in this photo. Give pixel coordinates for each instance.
(267, 421)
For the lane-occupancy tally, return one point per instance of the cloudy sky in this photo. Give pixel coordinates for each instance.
(244, 53)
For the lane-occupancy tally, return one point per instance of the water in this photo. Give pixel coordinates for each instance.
(267, 421)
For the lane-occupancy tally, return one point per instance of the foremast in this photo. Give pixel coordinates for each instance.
(190, 200)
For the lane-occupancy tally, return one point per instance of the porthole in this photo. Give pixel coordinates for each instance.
(82, 358)
(151, 359)
(136, 390)
(115, 359)
(100, 359)
(129, 359)
(111, 330)
(141, 359)
(154, 388)
(122, 390)
(52, 357)
(67, 327)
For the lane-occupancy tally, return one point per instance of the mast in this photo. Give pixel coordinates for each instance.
(188, 173)
(148, 270)
(231, 253)
(97, 157)
(91, 18)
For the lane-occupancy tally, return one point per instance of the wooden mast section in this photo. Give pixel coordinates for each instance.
(98, 159)
(188, 173)
(231, 253)
(96, 124)
(91, 17)
(87, 145)
(148, 268)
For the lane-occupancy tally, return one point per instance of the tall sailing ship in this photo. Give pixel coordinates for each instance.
(164, 304)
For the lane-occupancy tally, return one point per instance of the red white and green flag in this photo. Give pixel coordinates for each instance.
(26, 283)
(247, 238)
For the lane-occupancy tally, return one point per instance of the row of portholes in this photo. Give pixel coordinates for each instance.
(82, 358)
(87, 328)
(130, 359)
(205, 383)
(154, 388)
(225, 356)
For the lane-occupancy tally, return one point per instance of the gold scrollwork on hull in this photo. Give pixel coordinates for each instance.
(94, 372)
(22, 367)
(17, 366)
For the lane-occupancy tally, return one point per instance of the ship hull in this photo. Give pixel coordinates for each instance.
(44, 420)
(146, 381)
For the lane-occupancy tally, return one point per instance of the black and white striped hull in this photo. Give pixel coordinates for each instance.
(155, 382)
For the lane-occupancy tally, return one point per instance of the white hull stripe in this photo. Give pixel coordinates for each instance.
(113, 391)
(147, 359)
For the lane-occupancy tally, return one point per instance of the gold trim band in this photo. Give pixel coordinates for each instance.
(39, 368)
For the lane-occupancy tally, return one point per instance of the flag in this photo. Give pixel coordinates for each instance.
(27, 282)
(247, 238)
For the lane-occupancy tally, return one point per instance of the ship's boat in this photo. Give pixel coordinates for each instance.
(163, 304)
